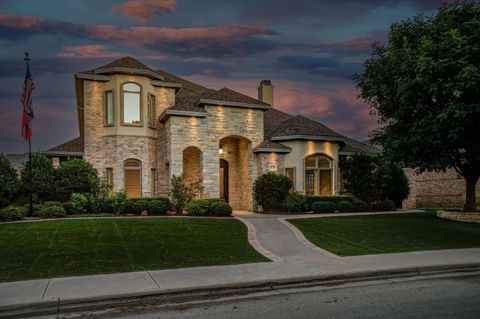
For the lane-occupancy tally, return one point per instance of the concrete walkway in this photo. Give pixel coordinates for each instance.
(294, 260)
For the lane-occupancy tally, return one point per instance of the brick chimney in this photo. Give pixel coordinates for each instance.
(265, 92)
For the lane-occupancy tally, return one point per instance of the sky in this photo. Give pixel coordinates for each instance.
(309, 49)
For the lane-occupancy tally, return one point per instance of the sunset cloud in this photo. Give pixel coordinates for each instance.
(88, 51)
(144, 10)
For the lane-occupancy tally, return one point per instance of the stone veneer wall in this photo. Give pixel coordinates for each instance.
(110, 146)
(206, 133)
(269, 161)
(436, 189)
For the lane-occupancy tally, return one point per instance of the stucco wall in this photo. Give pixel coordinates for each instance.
(303, 149)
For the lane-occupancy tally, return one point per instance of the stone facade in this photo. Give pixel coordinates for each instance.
(436, 189)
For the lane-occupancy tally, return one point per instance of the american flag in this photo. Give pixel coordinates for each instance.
(28, 88)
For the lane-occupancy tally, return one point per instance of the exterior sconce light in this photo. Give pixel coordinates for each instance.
(220, 151)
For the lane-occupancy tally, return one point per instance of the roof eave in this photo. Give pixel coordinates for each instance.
(167, 113)
(94, 77)
(117, 69)
(235, 104)
(308, 137)
(272, 150)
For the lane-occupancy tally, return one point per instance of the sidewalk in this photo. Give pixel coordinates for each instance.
(295, 261)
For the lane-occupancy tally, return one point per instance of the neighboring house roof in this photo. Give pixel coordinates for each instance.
(353, 146)
(74, 146)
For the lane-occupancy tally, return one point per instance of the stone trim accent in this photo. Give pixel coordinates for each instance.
(255, 243)
(460, 216)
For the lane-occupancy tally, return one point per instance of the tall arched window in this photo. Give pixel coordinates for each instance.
(318, 175)
(133, 178)
(131, 104)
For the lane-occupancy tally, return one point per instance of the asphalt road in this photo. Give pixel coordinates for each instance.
(455, 296)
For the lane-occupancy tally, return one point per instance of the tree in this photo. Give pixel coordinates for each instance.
(9, 180)
(43, 178)
(424, 87)
(182, 193)
(76, 176)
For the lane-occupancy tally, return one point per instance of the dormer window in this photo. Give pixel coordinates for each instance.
(131, 105)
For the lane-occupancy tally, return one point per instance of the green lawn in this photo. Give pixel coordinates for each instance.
(93, 246)
(389, 233)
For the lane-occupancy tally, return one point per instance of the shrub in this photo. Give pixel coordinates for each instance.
(52, 211)
(98, 202)
(9, 181)
(76, 176)
(117, 202)
(43, 178)
(182, 193)
(270, 190)
(139, 206)
(345, 206)
(220, 209)
(68, 206)
(397, 188)
(10, 213)
(194, 208)
(323, 206)
(159, 205)
(359, 205)
(79, 203)
(329, 198)
(295, 202)
(384, 205)
(52, 203)
(128, 206)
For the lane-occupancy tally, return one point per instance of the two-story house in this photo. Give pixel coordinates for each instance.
(138, 127)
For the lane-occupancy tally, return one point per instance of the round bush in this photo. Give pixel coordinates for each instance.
(52, 211)
(324, 206)
(270, 190)
(220, 209)
(195, 208)
(159, 206)
(139, 206)
(10, 213)
(384, 205)
(128, 206)
(359, 205)
(344, 206)
(68, 206)
(295, 202)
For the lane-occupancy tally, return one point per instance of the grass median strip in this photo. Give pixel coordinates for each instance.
(389, 233)
(73, 247)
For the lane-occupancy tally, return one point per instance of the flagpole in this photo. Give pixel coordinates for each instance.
(30, 209)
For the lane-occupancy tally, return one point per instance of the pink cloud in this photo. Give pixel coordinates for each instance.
(143, 10)
(88, 51)
(20, 22)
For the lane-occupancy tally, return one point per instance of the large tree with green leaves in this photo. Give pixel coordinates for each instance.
(424, 85)
(43, 179)
(8, 180)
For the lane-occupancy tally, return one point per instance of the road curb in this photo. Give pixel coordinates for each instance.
(215, 290)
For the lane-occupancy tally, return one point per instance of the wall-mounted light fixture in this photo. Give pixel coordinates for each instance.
(220, 151)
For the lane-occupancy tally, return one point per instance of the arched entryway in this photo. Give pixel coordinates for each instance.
(133, 178)
(192, 164)
(235, 157)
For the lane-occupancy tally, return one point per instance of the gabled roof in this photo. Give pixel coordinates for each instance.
(270, 146)
(272, 119)
(127, 65)
(125, 62)
(299, 127)
(226, 94)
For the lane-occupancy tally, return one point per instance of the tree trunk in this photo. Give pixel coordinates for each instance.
(470, 200)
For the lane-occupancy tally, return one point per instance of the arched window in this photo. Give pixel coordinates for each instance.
(133, 178)
(131, 104)
(318, 175)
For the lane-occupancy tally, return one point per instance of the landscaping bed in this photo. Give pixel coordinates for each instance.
(72, 247)
(387, 233)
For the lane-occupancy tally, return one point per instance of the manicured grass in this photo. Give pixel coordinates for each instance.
(93, 246)
(389, 233)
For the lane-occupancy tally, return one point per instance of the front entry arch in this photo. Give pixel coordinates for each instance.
(224, 179)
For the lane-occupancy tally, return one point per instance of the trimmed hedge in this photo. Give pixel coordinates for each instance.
(335, 199)
(384, 205)
(294, 203)
(359, 205)
(345, 206)
(207, 207)
(159, 205)
(52, 211)
(220, 209)
(323, 206)
(11, 213)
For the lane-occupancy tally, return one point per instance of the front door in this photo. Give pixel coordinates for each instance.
(224, 179)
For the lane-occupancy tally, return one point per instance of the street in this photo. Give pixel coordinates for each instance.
(455, 296)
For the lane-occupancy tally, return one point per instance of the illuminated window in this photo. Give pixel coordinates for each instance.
(151, 111)
(109, 108)
(318, 175)
(290, 173)
(131, 104)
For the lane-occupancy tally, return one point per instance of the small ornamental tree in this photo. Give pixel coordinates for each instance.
(76, 176)
(9, 180)
(424, 87)
(270, 190)
(43, 178)
(181, 193)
